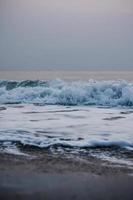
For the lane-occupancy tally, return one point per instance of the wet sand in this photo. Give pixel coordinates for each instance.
(49, 176)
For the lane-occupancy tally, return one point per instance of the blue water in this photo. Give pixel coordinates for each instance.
(59, 92)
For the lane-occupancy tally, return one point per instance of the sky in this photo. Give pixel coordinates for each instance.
(66, 34)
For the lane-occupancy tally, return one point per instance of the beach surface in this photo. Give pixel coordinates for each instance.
(54, 177)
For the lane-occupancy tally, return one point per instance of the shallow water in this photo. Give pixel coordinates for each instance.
(78, 129)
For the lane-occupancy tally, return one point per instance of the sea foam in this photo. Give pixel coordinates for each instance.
(59, 92)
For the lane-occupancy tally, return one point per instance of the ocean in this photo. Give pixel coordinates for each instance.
(67, 113)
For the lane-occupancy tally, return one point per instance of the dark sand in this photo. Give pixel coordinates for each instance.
(61, 177)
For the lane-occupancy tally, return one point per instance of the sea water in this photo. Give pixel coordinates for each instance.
(83, 117)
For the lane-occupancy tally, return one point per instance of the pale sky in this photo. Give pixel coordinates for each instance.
(66, 34)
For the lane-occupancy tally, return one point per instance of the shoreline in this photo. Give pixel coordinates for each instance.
(48, 162)
(48, 176)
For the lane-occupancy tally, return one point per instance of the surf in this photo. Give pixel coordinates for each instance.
(59, 92)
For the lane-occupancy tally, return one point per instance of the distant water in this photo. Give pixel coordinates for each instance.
(67, 75)
(83, 117)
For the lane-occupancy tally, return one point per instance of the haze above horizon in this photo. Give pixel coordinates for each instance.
(78, 34)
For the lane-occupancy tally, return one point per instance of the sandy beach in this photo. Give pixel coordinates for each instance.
(59, 177)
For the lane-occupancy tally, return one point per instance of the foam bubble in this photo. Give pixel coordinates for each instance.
(104, 93)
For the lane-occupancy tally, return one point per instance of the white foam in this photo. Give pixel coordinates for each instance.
(111, 93)
(45, 142)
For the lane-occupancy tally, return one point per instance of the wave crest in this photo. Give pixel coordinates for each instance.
(104, 93)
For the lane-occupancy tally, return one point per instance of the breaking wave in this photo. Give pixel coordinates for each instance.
(99, 93)
(46, 142)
